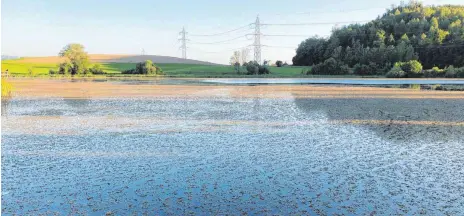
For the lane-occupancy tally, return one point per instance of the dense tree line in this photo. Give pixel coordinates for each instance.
(434, 36)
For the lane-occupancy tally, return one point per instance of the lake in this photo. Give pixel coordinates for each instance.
(271, 151)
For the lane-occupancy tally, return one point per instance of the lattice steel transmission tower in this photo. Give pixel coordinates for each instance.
(257, 43)
(184, 43)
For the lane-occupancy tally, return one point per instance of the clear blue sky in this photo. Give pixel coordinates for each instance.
(42, 28)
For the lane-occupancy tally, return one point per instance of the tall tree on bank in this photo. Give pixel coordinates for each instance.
(76, 59)
(235, 61)
(235, 58)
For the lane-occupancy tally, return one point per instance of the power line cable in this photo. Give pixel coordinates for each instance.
(218, 42)
(267, 35)
(285, 47)
(314, 23)
(239, 31)
(224, 43)
(221, 33)
(227, 50)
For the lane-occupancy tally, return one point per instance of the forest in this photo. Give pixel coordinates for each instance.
(412, 33)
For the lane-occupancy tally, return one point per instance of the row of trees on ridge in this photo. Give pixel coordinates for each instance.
(433, 36)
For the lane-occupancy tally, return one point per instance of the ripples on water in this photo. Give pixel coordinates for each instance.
(217, 156)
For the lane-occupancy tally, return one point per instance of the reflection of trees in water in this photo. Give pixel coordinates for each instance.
(77, 102)
(256, 106)
(5, 105)
(78, 105)
(392, 109)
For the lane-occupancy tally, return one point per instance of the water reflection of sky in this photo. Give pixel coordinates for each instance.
(222, 156)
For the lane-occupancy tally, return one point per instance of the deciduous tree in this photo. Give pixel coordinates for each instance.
(77, 59)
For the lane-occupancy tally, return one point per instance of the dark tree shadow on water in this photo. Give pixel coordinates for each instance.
(5, 105)
(77, 103)
(79, 106)
(419, 119)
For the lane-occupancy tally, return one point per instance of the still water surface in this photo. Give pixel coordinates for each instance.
(223, 155)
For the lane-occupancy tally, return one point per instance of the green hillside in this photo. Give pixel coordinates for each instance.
(18, 68)
(433, 35)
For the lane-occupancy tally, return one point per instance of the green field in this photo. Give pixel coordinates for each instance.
(17, 68)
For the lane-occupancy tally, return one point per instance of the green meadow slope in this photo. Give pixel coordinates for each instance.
(41, 67)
